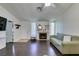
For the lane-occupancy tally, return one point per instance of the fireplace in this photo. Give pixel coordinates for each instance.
(42, 35)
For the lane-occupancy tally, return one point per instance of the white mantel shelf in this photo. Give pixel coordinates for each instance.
(42, 32)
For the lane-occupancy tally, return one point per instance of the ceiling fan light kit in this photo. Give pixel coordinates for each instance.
(47, 4)
(44, 5)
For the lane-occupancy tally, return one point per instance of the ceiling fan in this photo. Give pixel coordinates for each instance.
(44, 5)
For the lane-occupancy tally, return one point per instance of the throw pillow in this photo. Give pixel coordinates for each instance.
(67, 38)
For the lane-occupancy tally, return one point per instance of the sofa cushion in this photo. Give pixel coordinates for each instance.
(59, 36)
(56, 41)
(75, 38)
(53, 36)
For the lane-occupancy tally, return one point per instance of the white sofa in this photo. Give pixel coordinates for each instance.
(66, 47)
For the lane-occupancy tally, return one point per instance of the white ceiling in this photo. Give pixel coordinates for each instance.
(28, 11)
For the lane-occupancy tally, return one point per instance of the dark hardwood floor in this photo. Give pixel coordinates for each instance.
(30, 48)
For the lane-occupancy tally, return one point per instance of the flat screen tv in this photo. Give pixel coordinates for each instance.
(3, 22)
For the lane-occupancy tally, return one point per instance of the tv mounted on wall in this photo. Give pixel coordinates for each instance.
(3, 22)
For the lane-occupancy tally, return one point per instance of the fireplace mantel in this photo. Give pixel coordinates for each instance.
(43, 27)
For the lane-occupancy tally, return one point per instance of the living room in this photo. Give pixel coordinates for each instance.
(36, 25)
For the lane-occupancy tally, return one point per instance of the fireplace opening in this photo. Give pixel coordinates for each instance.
(42, 35)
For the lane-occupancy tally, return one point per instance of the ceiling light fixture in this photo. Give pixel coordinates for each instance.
(44, 5)
(47, 4)
(50, 4)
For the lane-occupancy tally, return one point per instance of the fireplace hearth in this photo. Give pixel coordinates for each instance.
(42, 35)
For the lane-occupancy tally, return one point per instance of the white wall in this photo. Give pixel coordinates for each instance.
(68, 23)
(2, 39)
(9, 32)
(25, 30)
(4, 13)
(71, 20)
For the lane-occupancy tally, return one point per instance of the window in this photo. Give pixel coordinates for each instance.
(51, 31)
(33, 29)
